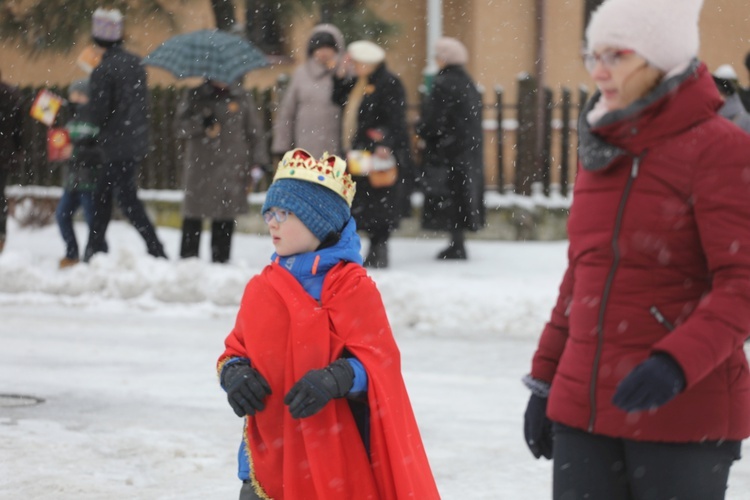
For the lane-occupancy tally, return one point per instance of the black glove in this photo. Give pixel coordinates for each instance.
(209, 118)
(650, 385)
(317, 387)
(537, 428)
(246, 388)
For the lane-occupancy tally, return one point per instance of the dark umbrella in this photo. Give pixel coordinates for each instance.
(212, 54)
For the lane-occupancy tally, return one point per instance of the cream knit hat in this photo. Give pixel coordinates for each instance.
(664, 32)
(451, 51)
(366, 52)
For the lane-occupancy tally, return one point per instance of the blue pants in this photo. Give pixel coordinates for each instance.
(602, 468)
(69, 203)
(118, 180)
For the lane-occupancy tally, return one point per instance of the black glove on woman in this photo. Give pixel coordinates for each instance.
(537, 428)
(317, 387)
(246, 388)
(650, 385)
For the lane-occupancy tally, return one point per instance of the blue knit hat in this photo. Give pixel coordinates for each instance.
(320, 209)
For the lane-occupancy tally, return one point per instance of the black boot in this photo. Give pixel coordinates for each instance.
(456, 249)
(221, 240)
(191, 237)
(377, 257)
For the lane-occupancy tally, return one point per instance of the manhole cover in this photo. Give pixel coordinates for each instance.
(7, 400)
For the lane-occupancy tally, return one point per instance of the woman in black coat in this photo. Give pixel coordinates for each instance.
(375, 121)
(453, 162)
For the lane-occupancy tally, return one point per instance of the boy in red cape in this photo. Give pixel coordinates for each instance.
(312, 364)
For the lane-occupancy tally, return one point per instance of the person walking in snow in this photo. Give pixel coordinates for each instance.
(224, 151)
(640, 385)
(311, 363)
(307, 117)
(119, 108)
(453, 160)
(80, 171)
(11, 149)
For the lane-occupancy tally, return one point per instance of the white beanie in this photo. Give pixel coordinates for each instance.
(725, 72)
(664, 32)
(366, 52)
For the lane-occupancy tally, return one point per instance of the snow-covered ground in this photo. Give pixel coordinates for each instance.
(122, 351)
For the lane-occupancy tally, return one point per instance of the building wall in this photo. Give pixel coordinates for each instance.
(499, 34)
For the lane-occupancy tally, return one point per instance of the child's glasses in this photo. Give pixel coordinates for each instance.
(280, 215)
(609, 58)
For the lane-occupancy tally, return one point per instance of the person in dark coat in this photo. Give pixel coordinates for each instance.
(119, 107)
(375, 123)
(453, 160)
(224, 148)
(11, 152)
(640, 385)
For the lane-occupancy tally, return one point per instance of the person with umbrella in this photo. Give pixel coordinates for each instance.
(224, 137)
(224, 150)
(119, 108)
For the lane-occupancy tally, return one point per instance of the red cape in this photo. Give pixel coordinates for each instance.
(286, 333)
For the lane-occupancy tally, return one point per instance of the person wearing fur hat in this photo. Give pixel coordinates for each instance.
(307, 116)
(311, 363)
(453, 159)
(640, 385)
(374, 123)
(119, 108)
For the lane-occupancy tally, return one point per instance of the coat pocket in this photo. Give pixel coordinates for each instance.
(661, 319)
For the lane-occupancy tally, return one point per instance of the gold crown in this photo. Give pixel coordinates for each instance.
(329, 171)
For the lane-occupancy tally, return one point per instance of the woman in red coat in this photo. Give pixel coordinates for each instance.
(640, 385)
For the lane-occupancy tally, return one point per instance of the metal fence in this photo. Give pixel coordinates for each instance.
(513, 160)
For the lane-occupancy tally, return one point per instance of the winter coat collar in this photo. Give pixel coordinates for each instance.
(317, 71)
(675, 105)
(377, 73)
(452, 68)
(310, 268)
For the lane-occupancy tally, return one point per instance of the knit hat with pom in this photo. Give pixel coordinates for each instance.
(664, 32)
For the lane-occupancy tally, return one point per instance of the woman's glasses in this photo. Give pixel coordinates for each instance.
(609, 58)
(280, 215)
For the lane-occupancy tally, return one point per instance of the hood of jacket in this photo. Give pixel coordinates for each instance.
(316, 70)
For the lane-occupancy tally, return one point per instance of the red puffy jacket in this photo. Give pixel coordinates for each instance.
(659, 261)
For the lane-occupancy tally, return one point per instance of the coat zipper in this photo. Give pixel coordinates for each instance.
(656, 313)
(607, 289)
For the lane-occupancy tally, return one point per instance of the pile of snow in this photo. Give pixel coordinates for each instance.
(499, 289)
